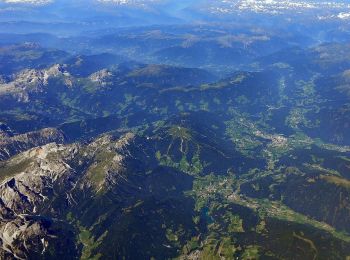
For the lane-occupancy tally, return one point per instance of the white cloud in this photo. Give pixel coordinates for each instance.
(344, 15)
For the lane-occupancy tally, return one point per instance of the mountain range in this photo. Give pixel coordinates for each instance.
(174, 130)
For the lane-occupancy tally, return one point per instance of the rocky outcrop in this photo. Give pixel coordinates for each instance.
(31, 81)
(30, 225)
(13, 144)
(26, 192)
(102, 77)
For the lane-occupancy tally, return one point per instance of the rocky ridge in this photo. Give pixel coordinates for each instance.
(30, 81)
(14, 144)
(37, 178)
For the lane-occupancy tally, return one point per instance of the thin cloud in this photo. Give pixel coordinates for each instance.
(32, 2)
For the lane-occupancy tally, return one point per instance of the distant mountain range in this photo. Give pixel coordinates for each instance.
(338, 8)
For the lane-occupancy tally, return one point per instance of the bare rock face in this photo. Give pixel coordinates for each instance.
(13, 144)
(31, 176)
(35, 237)
(23, 231)
(32, 182)
(31, 81)
(102, 77)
